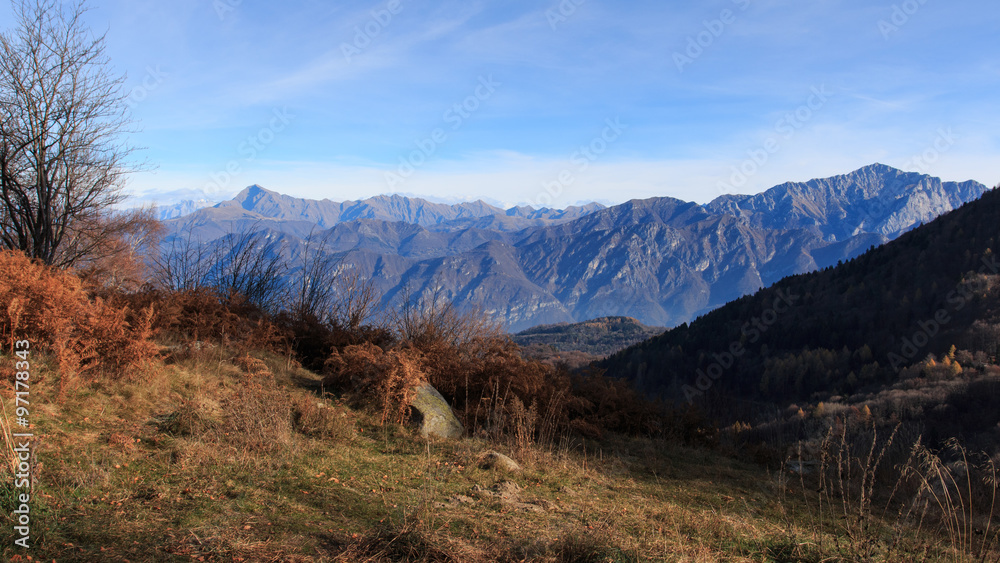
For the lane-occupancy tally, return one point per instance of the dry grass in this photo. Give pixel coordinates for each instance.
(923, 508)
(124, 462)
(152, 463)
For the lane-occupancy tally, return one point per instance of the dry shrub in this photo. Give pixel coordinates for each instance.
(372, 375)
(255, 368)
(484, 376)
(50, 308)
(202, 315)
(258, 415)
(196, 417)
(499, 391)
(313, 340)
(317, 419)
(119, 340)
(493, 388)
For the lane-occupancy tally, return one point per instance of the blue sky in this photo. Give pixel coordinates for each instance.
(550, 103)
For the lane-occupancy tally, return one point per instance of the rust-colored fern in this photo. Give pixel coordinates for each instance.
(51, 309)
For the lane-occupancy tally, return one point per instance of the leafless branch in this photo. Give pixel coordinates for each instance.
(62, 118)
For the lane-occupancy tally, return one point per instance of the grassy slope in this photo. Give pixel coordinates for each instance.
(147, 472)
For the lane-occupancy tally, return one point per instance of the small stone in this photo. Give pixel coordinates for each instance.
(507, 490)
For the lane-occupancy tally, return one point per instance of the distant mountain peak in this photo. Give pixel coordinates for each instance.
(252, 191)
(876, 198)
(395, 207)
(252, 194)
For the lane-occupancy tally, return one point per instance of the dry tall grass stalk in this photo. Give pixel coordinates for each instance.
(961, 501)
(523, 421)
(928, 499)
(8, 439)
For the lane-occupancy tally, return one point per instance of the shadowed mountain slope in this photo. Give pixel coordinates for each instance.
(846, 329)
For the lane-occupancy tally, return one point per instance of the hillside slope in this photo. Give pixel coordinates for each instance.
(919, 312)
(180, 426)
(183, 466)
(597, 336)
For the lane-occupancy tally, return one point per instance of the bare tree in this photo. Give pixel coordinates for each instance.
(313, 285)
(63, 116)
(357, 300)
(433, 317)
(251, 265)
(184, 265)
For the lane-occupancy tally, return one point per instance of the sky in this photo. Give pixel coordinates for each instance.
(549, 103)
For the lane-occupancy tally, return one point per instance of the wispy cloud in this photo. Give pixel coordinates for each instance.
(356, 115)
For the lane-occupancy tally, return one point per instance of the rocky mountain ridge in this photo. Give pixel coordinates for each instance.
(661, 260)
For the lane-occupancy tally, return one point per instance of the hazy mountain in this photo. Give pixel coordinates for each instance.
(662, 261)
(181, 208)
(875, 199)
(262, 203)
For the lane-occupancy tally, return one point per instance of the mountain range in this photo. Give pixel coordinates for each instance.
(661, 260)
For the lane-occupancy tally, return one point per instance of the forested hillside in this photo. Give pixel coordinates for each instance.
(578, 344)
(913, 326)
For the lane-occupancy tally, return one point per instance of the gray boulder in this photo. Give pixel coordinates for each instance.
(496, 460)
(436, 418)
